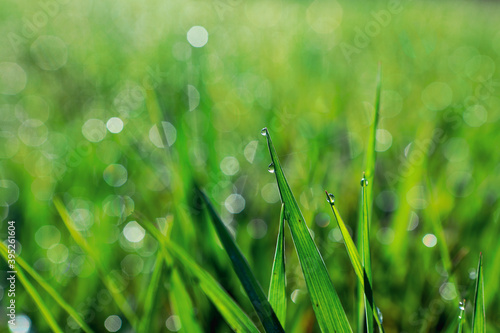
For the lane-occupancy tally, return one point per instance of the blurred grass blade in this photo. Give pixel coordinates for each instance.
(242, 268)
(329, 312)
(353, 253)
(230, 311)
(107, 280)
(46, 313)
(152, 291)
(478, 314)
(48, 288)
(277, 287)
(182, 304)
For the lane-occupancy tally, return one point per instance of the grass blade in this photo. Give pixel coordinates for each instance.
(353, 253)
(461, 317)
(250, 284)
(182, 304)
(478, 314)
(47, 315)
(366, 259)
(277, 287)
(326, 303)
(48, 288)
(107, 280)
(228, 308)
(150, 299)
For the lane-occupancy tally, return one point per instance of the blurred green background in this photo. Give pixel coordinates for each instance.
(117, 107)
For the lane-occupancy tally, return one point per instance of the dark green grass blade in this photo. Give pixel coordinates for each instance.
(478, 314)
(353, 253)
(277, 287)
(329, 312)
(227, 307)
(48, 288)
(366, 259)
(242, 268)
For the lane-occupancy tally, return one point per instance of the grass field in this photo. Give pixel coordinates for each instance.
(113, 114)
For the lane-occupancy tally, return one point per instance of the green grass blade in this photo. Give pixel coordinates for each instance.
(478, 314)
(107, 280)
(370, 159)
(228, 308)
(152, 291)
(182, 304)
(242, 268)
(47, 315)
(329, 312)
(366, 259)
(48, 288)
(461, 317)
(355, 260)
(277, 287)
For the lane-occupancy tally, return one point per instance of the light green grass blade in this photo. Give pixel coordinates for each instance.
(107, 280)
(329, 312)
(277, 287)
(152, 291)
(47, 315)
(182, 304)
(478, 314)
(228, 308)
(370, 159)
(353, 253)
(242, 268)
(48, 288)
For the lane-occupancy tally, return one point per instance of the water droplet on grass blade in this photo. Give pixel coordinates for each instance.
(461, 306)
(263, 131)
(380, 315)
(270, 168)
(364, 182)
(330, 198)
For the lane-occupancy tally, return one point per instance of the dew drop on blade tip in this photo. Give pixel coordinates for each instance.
(331, 199)
(364, 182)
(270, 168)
(263, 131)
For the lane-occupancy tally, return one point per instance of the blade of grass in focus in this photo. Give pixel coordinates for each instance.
(277, 287)
(228, 308)
(329, 312)
(461, 317)
(252, 287)
(370, 159)
(478, 314)
(355, 258)
(107, 280)
(46, 313)
(366, 258)
(48, 288)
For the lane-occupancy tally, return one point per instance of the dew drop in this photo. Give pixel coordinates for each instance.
(330, 199)
(270, 168)
(364, 182)
(380, 315)
(263, 131)
(461, 306)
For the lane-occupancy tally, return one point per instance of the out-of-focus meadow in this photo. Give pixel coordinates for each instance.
(121, 107)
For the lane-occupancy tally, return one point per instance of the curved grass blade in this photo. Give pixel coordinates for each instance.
(326, 303)
(355, 260)
(277, 287)
(366, 258)
(478, 315)
(48, 288)
(47, 315)
(107, 280)
(228, 308)
(242, 268)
